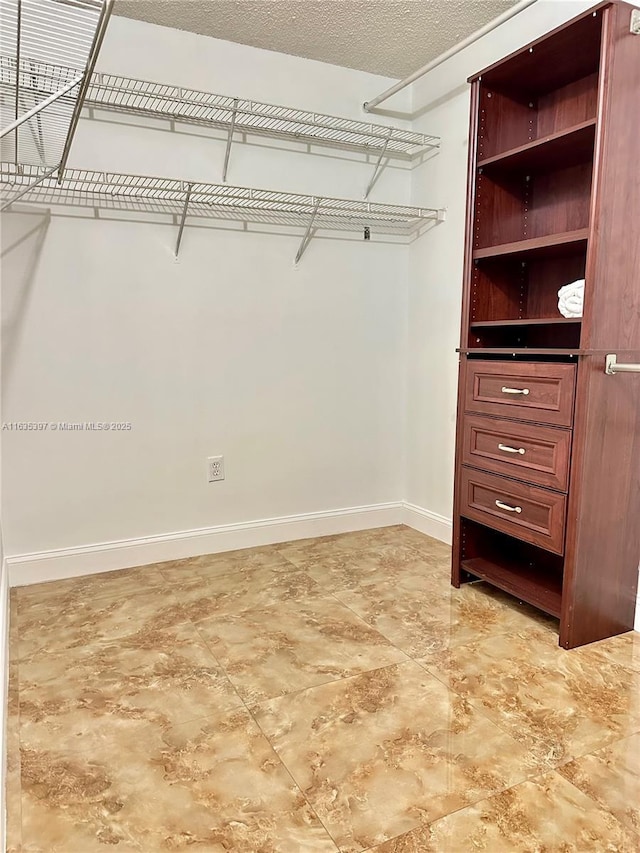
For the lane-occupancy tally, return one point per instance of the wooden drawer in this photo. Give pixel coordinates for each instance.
(530, 391)
(537, 454)
(526, 512)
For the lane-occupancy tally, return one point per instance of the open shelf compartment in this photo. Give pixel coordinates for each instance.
(542, 90)
(529, 573)
(514, 298)
(543, 207)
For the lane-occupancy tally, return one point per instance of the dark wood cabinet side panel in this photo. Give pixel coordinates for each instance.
(559, 201)
(457, 554)
(546, 277)
(497, 289)
(470, 218)
(504, 122)
(501, 210)
(612, 297)
(568, 105)
(603, 525)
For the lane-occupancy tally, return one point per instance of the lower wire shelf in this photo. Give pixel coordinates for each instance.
(82, 187)
(195, 199)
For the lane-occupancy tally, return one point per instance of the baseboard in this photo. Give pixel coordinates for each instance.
(438, 526)
(106, 556)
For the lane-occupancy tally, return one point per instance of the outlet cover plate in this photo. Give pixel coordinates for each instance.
(215, 468)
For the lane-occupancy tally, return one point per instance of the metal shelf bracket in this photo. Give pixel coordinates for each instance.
(29, 187)
(308, 233)
(378, 165)
(227, 152)
(183, 218)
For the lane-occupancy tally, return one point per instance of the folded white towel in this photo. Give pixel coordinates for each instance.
(571, 299)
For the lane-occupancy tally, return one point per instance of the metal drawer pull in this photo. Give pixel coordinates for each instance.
(508, 508)
(612, 366)
(508, 449)
(524, 391)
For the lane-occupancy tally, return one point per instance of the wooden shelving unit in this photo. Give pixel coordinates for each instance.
(547, 494)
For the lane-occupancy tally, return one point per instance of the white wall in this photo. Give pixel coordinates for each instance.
(296, 376)
(441, 106)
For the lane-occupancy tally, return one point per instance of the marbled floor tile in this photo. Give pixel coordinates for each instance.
(73, 591)
(230, 562)
(421, 613)
(546, 815)
(301, 550)
(292, 646)
(611, 777)
(99, 693)
(437, 551)
(13, 791)
(381, 753)
(623, 650)
(570, 701)
(250, 590)
(211, 785)
(386, 564)
(100, 620)
(13, 623)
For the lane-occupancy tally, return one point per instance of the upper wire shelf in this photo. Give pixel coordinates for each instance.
(190, 105)
(63, 36)
(176, 103)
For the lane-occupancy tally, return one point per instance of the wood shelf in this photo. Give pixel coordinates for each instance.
(550, 245)
(555, 151)
(544, 321)
(532, 351)
(537, 586)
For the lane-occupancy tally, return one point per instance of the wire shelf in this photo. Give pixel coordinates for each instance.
(47, 40)
(107, 190)
(190, 105)
(157, 100)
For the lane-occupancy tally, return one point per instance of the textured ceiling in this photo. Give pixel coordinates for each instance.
(389, 37)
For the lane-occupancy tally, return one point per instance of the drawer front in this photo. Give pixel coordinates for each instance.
(537, 454)
(529, 391)
(526, 512)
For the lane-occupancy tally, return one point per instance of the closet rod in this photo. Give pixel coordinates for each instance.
(369, 106)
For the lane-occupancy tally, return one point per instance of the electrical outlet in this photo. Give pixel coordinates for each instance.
(215, 468)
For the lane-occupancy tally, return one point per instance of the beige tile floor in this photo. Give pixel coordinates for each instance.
(323, 695)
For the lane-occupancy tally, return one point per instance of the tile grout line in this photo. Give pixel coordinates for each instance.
(249, 710)
(483, 800)
(477, 705)
(290, 775)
